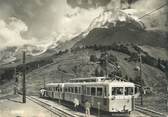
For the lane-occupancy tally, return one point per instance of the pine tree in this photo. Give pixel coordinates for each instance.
(97, 72)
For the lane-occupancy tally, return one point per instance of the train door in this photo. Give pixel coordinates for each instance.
(52, 93)
(63, 93)
(83, 94)
(105, 95)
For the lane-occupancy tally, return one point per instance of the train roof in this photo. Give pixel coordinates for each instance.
(106, 82)
(54, 84)
(89, 79)
(95, 79)
(114, 83)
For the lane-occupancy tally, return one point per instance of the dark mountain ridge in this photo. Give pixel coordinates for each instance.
(125, 33)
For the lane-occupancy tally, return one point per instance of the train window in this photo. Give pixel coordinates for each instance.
(73, 91)
(117, 90)
(68, 89)
(137, 90)
(54, 88)
(93, 91)
(128, 90)
(65, 89)
(60, 89)
(88, 90)
(76, 89)
(79, 90)
(99, 91)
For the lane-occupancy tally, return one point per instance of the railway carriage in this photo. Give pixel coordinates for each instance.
(112, 95)
(72, 91)
(55, 90)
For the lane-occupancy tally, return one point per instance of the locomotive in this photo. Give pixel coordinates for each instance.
(113, 95)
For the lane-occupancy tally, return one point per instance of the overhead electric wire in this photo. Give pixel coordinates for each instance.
(153, 11)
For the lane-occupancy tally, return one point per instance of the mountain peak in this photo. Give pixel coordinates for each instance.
(112, 18)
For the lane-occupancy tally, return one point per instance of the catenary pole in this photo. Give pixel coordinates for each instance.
(141, 81)
(24, 77)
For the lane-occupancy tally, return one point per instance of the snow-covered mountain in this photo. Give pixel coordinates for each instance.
(10, 54)
(121, 26)
(7, 55)
(32, 50)
(110, 18)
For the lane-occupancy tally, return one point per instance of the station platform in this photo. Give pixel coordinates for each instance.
(13, 107)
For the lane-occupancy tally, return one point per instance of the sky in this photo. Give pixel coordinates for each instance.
(44, 22)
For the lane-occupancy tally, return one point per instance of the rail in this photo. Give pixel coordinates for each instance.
(53, 109)
(149, 112)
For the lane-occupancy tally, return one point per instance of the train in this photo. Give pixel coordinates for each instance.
(112, 95)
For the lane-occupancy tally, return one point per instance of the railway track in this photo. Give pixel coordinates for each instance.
(62, 113)
(55, 110)
(149, 112)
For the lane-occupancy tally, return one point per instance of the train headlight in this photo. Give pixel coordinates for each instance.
(113, 109)
(113, 98)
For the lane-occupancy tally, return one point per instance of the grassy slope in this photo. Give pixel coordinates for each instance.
(102, 36)
(153, 77)
(156, 52)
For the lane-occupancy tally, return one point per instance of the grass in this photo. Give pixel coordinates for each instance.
(153, 77)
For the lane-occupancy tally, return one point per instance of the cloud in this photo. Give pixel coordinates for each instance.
(74, 24)
(44, 22)
(10, 33)
(157, 19)
(87, 4)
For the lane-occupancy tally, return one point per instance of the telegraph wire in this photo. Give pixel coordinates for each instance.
(153, 11)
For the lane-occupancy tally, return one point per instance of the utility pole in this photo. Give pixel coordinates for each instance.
(121, 4)
(15, 85)
(141, 81)
(106, 57)
(44, 82)
(62, 79)
(59, 88)
(83, 55)
(24, 77)
(129, 3)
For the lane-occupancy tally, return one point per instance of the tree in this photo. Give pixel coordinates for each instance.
(97, 72)
(129, 3)
(101, 73)
(166, 68)
(126, 78)
(93, 58)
